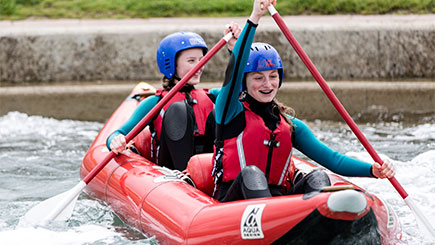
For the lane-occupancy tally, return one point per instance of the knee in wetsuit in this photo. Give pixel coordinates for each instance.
(176, 139)
(175, 121)
(312, 182)
(316, 180)
(254, 183)
(249, 183)
(180, 125)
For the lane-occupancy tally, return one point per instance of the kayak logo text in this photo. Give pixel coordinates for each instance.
(250, 227)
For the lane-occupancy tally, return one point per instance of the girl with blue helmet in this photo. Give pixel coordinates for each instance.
(256, 134)
(180, 130)
(171, 49)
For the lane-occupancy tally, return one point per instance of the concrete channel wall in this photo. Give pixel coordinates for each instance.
(397, 49)
(365, 101)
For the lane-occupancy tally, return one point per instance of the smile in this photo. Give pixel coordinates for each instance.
(266, 92)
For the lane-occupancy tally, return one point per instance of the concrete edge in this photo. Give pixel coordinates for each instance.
(365, 101)
(343, 47)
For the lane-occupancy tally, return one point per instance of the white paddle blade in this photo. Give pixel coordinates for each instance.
(422, 222)
(57, 208)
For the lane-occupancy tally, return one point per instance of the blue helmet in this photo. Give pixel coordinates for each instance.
(174, 43)
(264, 57)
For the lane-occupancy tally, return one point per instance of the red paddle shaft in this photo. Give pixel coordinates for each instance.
(278, 19)
(160, 105)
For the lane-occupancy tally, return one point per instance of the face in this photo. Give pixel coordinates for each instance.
(263, 85)
(186, 60)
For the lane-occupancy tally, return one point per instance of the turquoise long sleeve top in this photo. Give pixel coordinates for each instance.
(228, 107)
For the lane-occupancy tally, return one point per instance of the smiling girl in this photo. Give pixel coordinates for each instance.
(256, 134)
(179, 130)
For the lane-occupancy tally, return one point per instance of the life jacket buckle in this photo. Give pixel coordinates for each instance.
(272, 143)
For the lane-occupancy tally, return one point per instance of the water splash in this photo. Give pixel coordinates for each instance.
(40, 157)
(85, 234)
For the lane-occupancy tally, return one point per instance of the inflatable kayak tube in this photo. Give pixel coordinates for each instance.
(159, 203)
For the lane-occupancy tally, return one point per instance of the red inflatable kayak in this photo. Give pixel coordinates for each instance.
(157, 202)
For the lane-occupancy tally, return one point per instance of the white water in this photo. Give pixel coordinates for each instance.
(40, 157)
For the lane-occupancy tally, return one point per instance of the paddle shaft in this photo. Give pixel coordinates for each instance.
(160, 105)
(278, 19)
(72, 194)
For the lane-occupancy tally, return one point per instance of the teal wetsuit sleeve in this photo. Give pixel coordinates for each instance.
(214, 91)
(227, 104)
(305, 141)
(140, 112)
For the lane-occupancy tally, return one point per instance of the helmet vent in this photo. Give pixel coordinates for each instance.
(167, 63)
(256, 48)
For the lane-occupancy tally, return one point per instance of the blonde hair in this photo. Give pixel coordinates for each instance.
(285, 112)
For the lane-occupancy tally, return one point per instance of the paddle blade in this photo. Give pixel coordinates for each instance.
(57, 208)
(422, 222)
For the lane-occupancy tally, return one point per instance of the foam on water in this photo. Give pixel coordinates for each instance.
(40, 157)
(417, 177)
(85, 234)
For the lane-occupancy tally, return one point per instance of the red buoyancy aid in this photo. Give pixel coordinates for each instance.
(202, 106)
(258, 145)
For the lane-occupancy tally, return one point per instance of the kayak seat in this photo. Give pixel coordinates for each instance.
(199, 168)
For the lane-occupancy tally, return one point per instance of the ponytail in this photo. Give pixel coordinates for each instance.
(168, 83)
(285, 112)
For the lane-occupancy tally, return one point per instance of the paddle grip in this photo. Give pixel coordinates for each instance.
(309, 64)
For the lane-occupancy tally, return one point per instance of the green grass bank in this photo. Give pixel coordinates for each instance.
(120, 9)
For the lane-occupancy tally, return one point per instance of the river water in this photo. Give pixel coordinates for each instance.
(40, 157)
